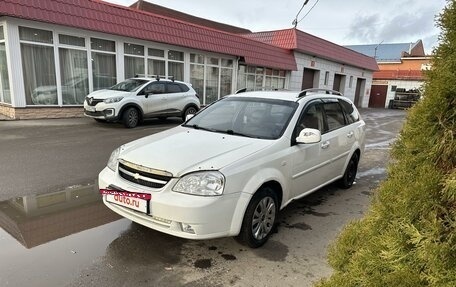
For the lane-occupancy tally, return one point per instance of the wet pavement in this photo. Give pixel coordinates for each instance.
(52, 236)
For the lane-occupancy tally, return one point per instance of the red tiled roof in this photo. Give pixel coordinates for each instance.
(414, 75)
(124, 21)
(297, 40)
(160, 10)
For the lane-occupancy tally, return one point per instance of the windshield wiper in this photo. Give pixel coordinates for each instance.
(231, 132)
(197, 127)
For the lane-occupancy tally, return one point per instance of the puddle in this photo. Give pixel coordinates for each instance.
(372, 172)
(52, 236)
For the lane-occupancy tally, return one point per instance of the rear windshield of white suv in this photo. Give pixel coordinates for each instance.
(249, 117)
(130, 85)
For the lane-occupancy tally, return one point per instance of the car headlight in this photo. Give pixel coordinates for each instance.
(112, 100)
(113, 159)
(205, 183)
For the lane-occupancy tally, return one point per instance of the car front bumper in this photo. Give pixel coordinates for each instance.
(182, 215)
(102, 111)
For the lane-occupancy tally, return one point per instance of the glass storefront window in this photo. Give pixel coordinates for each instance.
(175, 55)
(102, 45)
(103, 70)
(156, 53)
(134, 67)
(5, 95)
(38, 66)
(197, 79)
(212, 61)
(132, 49)
(227, 63)
(226, 79)
(71, 40)
(211, 84)
(35, 35)
(74, 76)
(156, 68)
(176, 70)
(195, 58)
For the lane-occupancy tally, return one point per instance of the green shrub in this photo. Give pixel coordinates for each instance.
(408, 236)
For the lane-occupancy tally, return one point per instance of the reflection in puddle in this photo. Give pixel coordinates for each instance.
(37, 219)
(45, 240)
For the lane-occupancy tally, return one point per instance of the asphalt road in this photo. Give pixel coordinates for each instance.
(56, 232)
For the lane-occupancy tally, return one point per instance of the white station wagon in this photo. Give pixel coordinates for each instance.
(228, 170)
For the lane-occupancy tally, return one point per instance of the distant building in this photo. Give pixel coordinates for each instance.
(54, 52)
(401, 67)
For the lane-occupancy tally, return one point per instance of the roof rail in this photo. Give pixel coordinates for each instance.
(327, 91)
(243, 90)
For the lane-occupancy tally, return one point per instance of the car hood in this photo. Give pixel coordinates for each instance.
(181, 150)
(104, 94)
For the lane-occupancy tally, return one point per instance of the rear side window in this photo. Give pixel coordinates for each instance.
(174, 88)
(350, 112)
(334, 115)
(154, 88)
(183, 87)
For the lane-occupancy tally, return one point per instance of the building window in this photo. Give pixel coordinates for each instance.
(326, 78)
(197, 74)
(38, 66)
(134, 60)
(176, 65)
(5, 96)
(74, 73)
(211, 77)
(393, 88)
(350, 83)
(156, 63)
(103, 63)
(257, 78)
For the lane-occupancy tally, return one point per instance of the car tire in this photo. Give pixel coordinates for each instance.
(259, 218)
(130, 117)
(349, 176)
(188, 111)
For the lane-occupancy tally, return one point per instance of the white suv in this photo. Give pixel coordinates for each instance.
(135, 99)
(228, 170)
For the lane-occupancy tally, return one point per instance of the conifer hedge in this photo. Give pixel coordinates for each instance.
(408, 236)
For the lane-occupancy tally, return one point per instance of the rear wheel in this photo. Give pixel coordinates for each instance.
(130, 117)
(189, 111)
(350, 172)
(259, 218)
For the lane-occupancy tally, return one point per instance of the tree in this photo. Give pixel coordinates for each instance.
(408, 236)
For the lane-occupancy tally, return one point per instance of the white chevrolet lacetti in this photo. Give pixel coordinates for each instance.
(228, 170)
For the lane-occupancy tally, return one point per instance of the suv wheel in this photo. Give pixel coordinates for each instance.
(349, 176)
(189, 111)
(130, 117)
(259, 218)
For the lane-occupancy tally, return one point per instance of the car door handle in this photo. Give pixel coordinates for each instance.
(350, 134)
(325, 145)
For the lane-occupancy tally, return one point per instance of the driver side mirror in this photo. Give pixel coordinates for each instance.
(308, 136)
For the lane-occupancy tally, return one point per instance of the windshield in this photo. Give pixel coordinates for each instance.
(250, 117)
(130, 85)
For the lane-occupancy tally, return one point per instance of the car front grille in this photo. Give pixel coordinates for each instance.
(143, 175)
(94, 114)
(92, 102)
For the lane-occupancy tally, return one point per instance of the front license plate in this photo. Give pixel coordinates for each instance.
(90, 109)
(132, 200)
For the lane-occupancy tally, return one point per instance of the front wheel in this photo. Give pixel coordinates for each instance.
(349, 176)
(259, 218)
(130, 118)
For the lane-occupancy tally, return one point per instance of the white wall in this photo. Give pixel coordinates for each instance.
(322, 65)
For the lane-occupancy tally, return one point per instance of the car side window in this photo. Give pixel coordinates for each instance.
(154, 88)
(350, 112)
(173, 88)
(334, 115)
(183, 87)
(312, 118)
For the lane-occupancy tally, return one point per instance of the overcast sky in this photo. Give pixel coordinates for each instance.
(345, 22)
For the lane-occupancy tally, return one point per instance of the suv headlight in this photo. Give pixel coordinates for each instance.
(113, 159)
(112, 100)
(205, 183)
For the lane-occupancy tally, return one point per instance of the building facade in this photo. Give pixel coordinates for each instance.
(53, 53)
